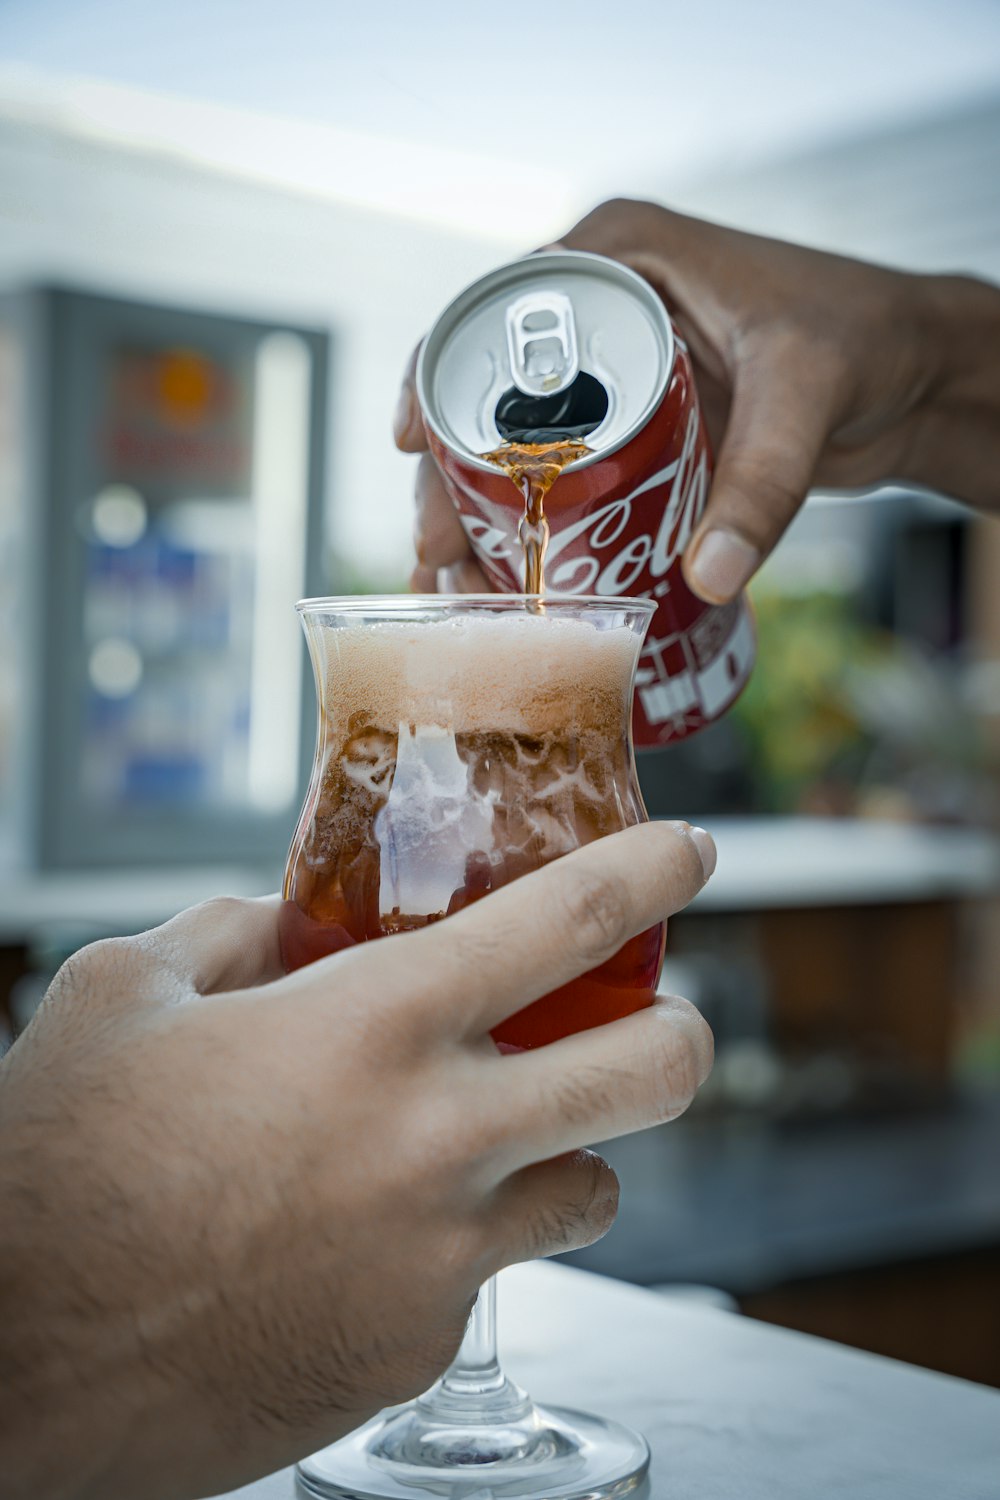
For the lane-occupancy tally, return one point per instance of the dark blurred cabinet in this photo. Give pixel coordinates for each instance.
(881, 981)
(942, 1312)
(836, 1173)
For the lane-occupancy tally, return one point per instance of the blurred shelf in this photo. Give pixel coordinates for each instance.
(927, 504)
(781, 863)
(746, 1206)
(114, 902)
(764, 864)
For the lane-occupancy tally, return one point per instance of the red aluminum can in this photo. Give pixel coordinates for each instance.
(569, 343)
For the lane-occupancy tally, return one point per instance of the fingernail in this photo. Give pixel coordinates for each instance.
(402, 417)
(447, 582)
(705, 845)
(722, 565)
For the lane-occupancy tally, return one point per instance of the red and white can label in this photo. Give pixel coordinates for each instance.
(619, 525)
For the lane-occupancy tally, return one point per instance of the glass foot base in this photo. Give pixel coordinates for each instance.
(546, 1452)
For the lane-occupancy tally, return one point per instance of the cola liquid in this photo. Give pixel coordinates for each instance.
(534, 467)
(453, 759)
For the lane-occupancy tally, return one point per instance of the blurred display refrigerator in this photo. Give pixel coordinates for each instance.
(161, 497)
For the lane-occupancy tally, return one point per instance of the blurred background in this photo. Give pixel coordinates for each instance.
(223, 227)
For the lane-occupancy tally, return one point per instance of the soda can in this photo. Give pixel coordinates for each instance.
(566, 343)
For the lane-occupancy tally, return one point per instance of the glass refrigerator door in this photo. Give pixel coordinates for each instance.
(190, 635)
(193, 546)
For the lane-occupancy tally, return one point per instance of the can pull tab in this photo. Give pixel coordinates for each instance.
(541, 343)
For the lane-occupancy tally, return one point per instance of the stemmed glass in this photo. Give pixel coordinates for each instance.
(462, 743)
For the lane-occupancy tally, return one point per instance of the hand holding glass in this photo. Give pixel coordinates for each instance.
(464, 743)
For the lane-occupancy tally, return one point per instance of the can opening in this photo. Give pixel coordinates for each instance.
(572, 413)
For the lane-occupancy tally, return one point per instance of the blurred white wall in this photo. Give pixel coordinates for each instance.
(123, 191)
(603, 98)
(137, 223)
(923, 193)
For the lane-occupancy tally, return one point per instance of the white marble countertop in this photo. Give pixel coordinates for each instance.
(738, 1410)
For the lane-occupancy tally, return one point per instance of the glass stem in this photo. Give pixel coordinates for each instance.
(476, 1369)
(474, 1386)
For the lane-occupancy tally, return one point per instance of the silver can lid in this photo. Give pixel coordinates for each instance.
(536, 328)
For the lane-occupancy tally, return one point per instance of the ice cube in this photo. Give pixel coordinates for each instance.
(433, 820)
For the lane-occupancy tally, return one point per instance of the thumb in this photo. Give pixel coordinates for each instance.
(779, 422)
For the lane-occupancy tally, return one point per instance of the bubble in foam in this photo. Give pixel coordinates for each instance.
(526, 674)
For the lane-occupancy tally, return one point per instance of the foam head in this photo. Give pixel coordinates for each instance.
(517, 672)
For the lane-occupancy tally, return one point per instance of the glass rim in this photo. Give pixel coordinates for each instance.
(409, 603)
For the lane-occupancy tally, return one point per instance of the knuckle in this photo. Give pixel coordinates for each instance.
(454, 1143)
(583, 1216)
(586, 1096)
(221, 910)
(622, 207)
(549, 1230)
(427, 490)
(614, 208)
(476, 950)
(762, 501)
(690, 1025)
(686, 870)
(89, 978)
(101, 958)
(399, 993)
(674, 1075)
(622, 226)
(595, 916)
(599, 1207)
